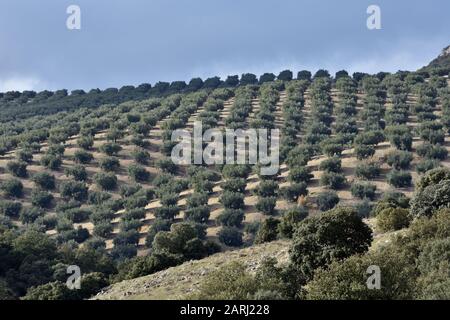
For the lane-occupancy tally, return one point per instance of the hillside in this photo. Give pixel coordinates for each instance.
(97, 186)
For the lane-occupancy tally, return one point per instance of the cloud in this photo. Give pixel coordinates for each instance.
(21, 83)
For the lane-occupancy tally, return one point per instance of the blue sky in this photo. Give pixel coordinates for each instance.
(125, 42)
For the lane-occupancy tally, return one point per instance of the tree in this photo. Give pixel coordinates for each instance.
(44, 180)
(106, 181)
(50, 291)
(432, 197)
(341, 74)
(230, 236)
(138, 173)
(327, 200)
(333, 180)
(110, 148)
(167, 166)
(364, 151)
(212, 83)
(197, 214)
(399, 179)
(267, 188)
(322, 74)
(268, 230)
(231, 218)
(363, 190)
(327, 237)
(78, 172)
(392, 219)
(304, 75)
(17, 169)
(141, 156)
(10, 208)
(248, 78)
(294, 191)
(290, 219)
(368, 170)
(83, 157)
(73, 189)
(300, 174)
(232, 200)
(30, 215)
(266, 77)
(399, 159)
(85, 142)
(51, 161)
(285, 75)
(333, 164)
(41, 199)
(110, 164)
(12, 188)
(24, 155)
(267, 205)
(232, 81)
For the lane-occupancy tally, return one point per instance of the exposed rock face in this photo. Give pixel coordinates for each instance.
(445, 52)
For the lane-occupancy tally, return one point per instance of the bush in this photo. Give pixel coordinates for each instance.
(333, 180)
(364, 151)
(267, 205)
(327, 200)
(268, 230)
(234, 185)
(30, 215)
(333, 164)
(399, 159)
(18, 169)
(230, 236)
(141, 156)
(76, 190)
(363, 190)
(427, 165)
(85, 142)
(24, 156)
(41, 199)
(399, 179)
(78, 172)
(232, 200)
(369, 170)
(327, 237)
(294, 191)
(44, 180)
(110, 148)
(267, 189)
(110, 164)
(430, 151)
(290, 219)
(52, 162)
(392, 219)
(300, 174)
(106, 181)
(138, 173)
(10, 208)
(231, 218)
(83, 157)
(12, 188)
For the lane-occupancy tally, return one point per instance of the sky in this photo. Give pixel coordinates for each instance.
(128, 42)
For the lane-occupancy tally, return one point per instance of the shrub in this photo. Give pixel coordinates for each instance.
(110, 148)
(85, 142)
(138, 173)
(363, 190)
(197, 214)
(110, 164)
(141, 156)
(106, 181)
(267, 205)
(399, 159)
(52, 162)
(399, 179)
(83, 157)
(333, 164)
(427, 165)
(231, 218)
(10, 208)
(327, 200)
(24, 156)
(364, 151)
(300, 174)
(78, 172)
(232, 200)
(290, 219)
(75, 190)
(234, 185)
(44, 180)
(30, 215)
(294, 191)
(18, 169)
(12, 188)
(369, 170)
(267, 189)
(230, 236)
(333, 180)
(392, 219)
(268, 230)
(430, 151)
(41, 199)
(327, 237)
